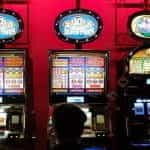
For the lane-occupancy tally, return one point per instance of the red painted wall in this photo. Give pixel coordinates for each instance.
(39, 36)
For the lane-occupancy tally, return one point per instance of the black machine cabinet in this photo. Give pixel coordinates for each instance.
(134, 95)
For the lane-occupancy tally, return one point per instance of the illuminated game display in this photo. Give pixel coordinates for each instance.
(139, 24)
(11, 25)
(12, 74)
(140, 62)
(78, 25)
(78, 75)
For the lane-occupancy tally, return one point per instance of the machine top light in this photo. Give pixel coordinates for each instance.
(139, 25)
(11, 26)
(78, 26)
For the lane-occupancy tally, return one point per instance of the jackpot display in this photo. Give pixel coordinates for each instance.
(12, 65)
(78, 75)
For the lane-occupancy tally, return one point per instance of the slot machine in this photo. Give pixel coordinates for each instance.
(137, 97)
(135, 85)
(81, 77)
(13, 93)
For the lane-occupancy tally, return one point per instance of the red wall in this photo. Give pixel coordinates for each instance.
(39, 36)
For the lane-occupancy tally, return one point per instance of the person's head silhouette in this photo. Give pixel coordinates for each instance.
(68, 122)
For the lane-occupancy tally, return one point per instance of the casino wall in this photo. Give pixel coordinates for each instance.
(39, 36)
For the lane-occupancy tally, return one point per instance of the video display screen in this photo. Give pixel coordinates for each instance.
(11, 73)
(78, 72)
(140, 62)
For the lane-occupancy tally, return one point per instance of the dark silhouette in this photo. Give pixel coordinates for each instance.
(68, 122)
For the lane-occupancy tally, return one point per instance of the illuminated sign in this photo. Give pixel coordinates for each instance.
(78, 26)
(11, 25)
(139, 24)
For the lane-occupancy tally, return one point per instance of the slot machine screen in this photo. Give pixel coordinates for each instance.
(12, 77)
(140, 63)
(77, 76)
